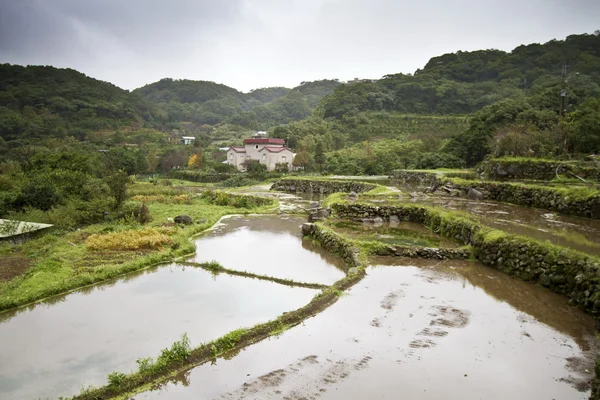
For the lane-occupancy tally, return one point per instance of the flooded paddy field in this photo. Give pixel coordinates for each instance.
(57, 347)
(416, 330)
(399, 233)
(268, 245)
(573, 232)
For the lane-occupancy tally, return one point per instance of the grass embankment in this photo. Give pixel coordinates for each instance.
(180, 356)
(65, 260)
(216, 268)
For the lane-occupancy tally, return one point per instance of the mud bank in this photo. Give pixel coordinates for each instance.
(321, 186)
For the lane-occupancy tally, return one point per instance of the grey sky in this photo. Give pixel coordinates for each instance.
(257, 43)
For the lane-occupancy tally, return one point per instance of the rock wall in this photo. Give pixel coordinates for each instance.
(420, 178)
(321, 186)
(425, 252)
(561, 270)
(536, 169)
(561, 201)
(335, 243)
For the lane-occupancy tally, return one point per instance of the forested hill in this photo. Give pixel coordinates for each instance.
(38, 101)
(465, 82)
(210, 103)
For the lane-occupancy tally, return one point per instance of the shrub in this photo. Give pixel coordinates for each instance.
(237, 181)
(116, 379)
(440, 160)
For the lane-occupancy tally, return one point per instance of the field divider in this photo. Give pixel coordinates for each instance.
(215, 267)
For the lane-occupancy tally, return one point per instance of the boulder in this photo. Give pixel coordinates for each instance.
(183, 219)
(474, 194)
(353, 195)
(314, 205)
(307, 229)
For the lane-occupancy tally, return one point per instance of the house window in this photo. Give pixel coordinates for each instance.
(231, 156)
(264, 157)
(256, 146)
(283, 159)
(247, 157)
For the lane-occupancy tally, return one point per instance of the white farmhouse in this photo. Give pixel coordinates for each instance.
(188, 139)
(267, 151)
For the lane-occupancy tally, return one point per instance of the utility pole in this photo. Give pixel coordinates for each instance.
(563, 91)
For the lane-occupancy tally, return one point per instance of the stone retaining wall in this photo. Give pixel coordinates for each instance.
(535, 196)
(536, 169)
(425, 252)
(561, 270)
(415, 177)
(321, 186)
(335, 243)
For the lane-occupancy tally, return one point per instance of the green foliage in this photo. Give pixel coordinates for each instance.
(255, 167)
(118, 186)
(465, 82)
(439, 160)
(210, 103)
(238, 181)
(234, 200)
(39, 101)
(586, 127)
(116, 379)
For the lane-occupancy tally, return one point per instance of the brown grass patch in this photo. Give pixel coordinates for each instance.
(13, 266)
(130, 240)
(159, 198)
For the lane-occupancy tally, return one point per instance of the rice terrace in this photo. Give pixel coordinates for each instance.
(369, 208)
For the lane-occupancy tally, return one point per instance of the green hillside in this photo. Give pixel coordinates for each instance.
(209, 103)
(38, 101)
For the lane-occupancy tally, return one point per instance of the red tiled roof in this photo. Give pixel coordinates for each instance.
(238, 149)
(274, 149)
(264, 141)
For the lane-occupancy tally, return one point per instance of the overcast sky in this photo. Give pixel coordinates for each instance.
(249, 44)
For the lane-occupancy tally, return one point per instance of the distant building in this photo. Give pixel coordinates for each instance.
(188, 139)
(267, 151)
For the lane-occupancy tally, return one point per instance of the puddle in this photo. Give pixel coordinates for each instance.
(400, 233)
(55, 348)
(573, 232)
(268, 245)
(450, 330)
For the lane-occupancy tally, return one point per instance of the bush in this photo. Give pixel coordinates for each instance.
(440, 160)
(282, 167)
(237, 181)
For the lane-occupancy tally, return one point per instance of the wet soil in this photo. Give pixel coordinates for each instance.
(56, 347)
(13, 266)
(451, 330)
(268, 245)
(400, 234)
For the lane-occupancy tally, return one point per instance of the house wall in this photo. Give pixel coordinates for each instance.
(283, 156)
(237, 160)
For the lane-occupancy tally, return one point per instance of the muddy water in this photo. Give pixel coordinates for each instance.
(440, 331)
(399, 233)
(268, 245)
(577, 233)
(55, 348)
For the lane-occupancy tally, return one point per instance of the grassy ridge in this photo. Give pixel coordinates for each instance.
(63, 261)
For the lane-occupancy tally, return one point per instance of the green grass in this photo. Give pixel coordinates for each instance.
(61, 262)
